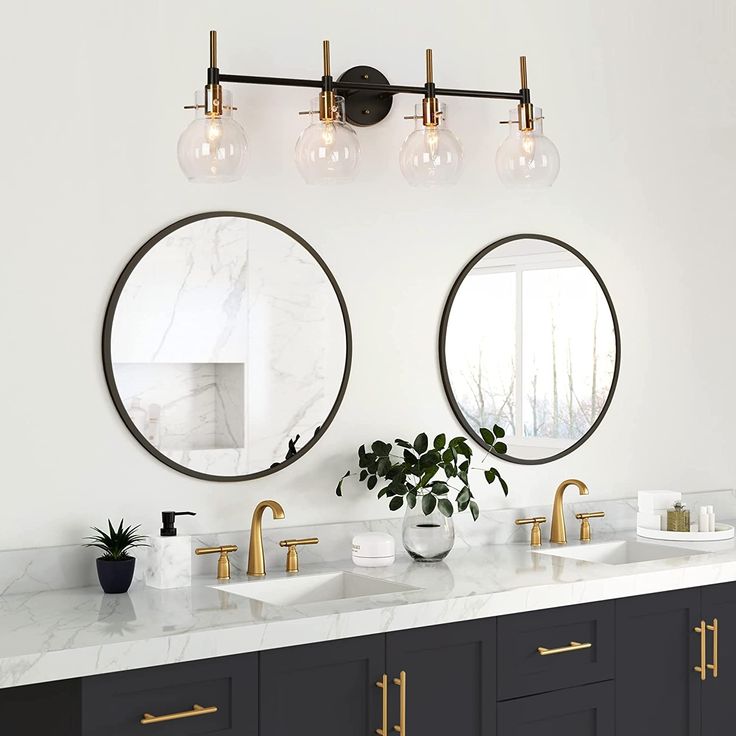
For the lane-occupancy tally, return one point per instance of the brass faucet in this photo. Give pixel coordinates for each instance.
(256, 562)
(558, 534)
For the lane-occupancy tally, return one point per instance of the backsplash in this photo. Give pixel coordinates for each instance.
(71, 566)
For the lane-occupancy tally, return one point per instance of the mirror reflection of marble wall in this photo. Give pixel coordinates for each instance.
(224, 340)
(530, 342)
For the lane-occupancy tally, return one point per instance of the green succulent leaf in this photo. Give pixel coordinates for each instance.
(396, 503)
(116, 543)
(445, 507)
(429, 501)
(421, 443)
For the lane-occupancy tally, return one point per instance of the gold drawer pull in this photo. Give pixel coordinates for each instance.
(701, 668)
(197, 710)
(401, 682)
(714, 628)
(383, 684)
(574, 646)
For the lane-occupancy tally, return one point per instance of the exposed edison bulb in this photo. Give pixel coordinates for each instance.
(527, 159)
(328, 152)
(431, 155)
(213, 149)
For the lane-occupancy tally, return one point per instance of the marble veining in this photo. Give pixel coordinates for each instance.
(54, 634)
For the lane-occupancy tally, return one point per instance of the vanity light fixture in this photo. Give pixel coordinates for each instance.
(328, 150)
(431, 155)
(213, 147)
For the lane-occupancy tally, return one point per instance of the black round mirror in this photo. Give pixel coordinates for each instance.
(529, 341)
(227, 346)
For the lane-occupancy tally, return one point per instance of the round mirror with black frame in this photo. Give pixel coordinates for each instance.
(227, 346)
(529, 341)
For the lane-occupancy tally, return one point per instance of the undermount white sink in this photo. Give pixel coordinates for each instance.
(300, 589)
(619, 552)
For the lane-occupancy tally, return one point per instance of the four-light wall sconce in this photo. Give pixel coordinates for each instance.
(213, 147)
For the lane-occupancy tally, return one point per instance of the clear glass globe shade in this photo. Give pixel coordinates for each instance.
(431, 156)
(213, 150)
(328, 152)
(527, 160)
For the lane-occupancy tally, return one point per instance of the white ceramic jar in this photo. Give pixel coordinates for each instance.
(373, 549)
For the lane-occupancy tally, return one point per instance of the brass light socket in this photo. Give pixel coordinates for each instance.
(213, 101)
(526, 116)
(431, 112)
(327, 107)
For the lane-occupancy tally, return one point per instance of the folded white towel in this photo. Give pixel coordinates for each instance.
(653, 501)
(649, 521)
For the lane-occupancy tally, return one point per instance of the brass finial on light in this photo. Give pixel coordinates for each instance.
(327, 102)
(430, 103)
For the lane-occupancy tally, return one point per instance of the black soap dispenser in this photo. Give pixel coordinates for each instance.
(170, 555)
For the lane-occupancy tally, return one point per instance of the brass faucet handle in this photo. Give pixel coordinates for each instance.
(223, 563)
(536, 540)
(292, 556)
(584, 518)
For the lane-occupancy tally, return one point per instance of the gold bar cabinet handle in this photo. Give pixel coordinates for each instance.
(702, 669)
(197, 710)
(383, 684)
(573, 646)
(714, 628)
(401, 682)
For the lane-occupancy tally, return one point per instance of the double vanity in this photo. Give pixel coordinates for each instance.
(614, 636)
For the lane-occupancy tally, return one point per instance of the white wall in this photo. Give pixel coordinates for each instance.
(639, 96)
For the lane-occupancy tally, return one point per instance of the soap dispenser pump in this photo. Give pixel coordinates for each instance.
(169, 562)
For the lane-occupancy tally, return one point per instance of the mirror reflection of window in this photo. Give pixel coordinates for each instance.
(531, 346)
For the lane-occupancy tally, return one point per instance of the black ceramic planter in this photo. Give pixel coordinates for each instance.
(115, 575)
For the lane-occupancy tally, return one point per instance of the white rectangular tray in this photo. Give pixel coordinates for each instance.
(723, 531)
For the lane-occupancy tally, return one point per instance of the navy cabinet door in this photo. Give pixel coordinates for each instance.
(587, 710)
(657, 689)
(719, 693)
(326, 689)
(450, 678)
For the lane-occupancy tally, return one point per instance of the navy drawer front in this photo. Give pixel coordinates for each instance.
(114, 705)
(588, 710)
(522, 670)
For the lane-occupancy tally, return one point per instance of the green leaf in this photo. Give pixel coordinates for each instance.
(411, 499)
(449, 455)
(428, 475)
(464, 466)
(464, 449)
(499, 431)
(361, 451)
(429, 459)
(504, 485)
(372, 482)
(439, 488)
(474, 510)
(500, 448)
(338, 490)
(410, 458)
(463, 498)
(439, 442)
(487, 436)
(463, 476)
(381, 449)
(421, 443)
(383, 466)
(404, 443)
(363, 475)
(490, 475)
(396, 503)
(456, 440)
(429, 501)
(445, 507)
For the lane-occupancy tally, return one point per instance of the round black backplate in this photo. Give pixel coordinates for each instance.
(365, 108)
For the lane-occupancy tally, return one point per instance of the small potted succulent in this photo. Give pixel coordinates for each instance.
(421, 479)
(116, 566)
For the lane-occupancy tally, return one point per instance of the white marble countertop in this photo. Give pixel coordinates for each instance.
(62, 634)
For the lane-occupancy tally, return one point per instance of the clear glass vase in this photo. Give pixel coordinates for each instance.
(427, 538)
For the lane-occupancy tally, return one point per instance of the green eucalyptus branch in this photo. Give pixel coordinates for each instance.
(412, 476)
